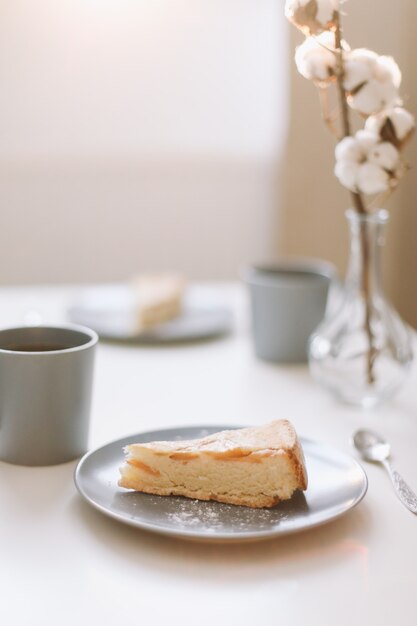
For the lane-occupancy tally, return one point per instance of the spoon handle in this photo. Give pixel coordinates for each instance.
(405, 494)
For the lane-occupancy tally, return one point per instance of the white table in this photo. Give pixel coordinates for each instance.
(62, 562)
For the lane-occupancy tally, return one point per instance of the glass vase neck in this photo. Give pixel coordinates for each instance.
(377, 218)
(366, 240)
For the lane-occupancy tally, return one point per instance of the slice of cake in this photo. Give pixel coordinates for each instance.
(157, 298)
(255, 467)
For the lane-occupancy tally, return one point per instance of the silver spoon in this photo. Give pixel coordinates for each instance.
(376, 450)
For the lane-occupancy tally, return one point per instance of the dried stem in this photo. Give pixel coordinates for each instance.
(328, 118)
(359, 207)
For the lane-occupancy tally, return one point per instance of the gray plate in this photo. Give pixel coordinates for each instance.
(110, 311)
(336, 484)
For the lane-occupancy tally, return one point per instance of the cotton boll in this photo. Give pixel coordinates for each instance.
(314, 67)
(348, 149)
(372, 179)
(358, 68)
(314, 60)
(385, 155)
(373, 97)
(293, 5)
(403, 122)
(311, 16)
(386, 69)
(371, 81)
(374, 123)
(325, 10)
(366, 164)
(394, 125)
(366, 140)
(347, 172)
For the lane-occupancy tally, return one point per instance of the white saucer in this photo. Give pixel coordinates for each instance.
(110, 311)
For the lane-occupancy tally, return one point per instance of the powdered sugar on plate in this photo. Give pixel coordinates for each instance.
(213, 517)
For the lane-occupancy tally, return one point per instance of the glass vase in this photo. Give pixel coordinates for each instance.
(361, 352)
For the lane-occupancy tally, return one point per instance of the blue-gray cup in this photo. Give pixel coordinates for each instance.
(288, 300)
(46, 376)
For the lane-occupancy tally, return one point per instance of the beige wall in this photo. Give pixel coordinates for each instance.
(139, 134)
(313, 215)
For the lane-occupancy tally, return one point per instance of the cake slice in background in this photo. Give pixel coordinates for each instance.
(158, 298)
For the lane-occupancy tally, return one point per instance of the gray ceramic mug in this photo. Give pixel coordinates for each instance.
(288, 301)
(46, 376)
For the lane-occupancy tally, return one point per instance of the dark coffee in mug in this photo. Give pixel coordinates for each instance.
(41, 347)
(41, 339)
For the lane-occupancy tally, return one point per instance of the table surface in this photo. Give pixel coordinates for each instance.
(61, 560)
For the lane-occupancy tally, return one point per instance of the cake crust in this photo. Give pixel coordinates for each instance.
(255, 467)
